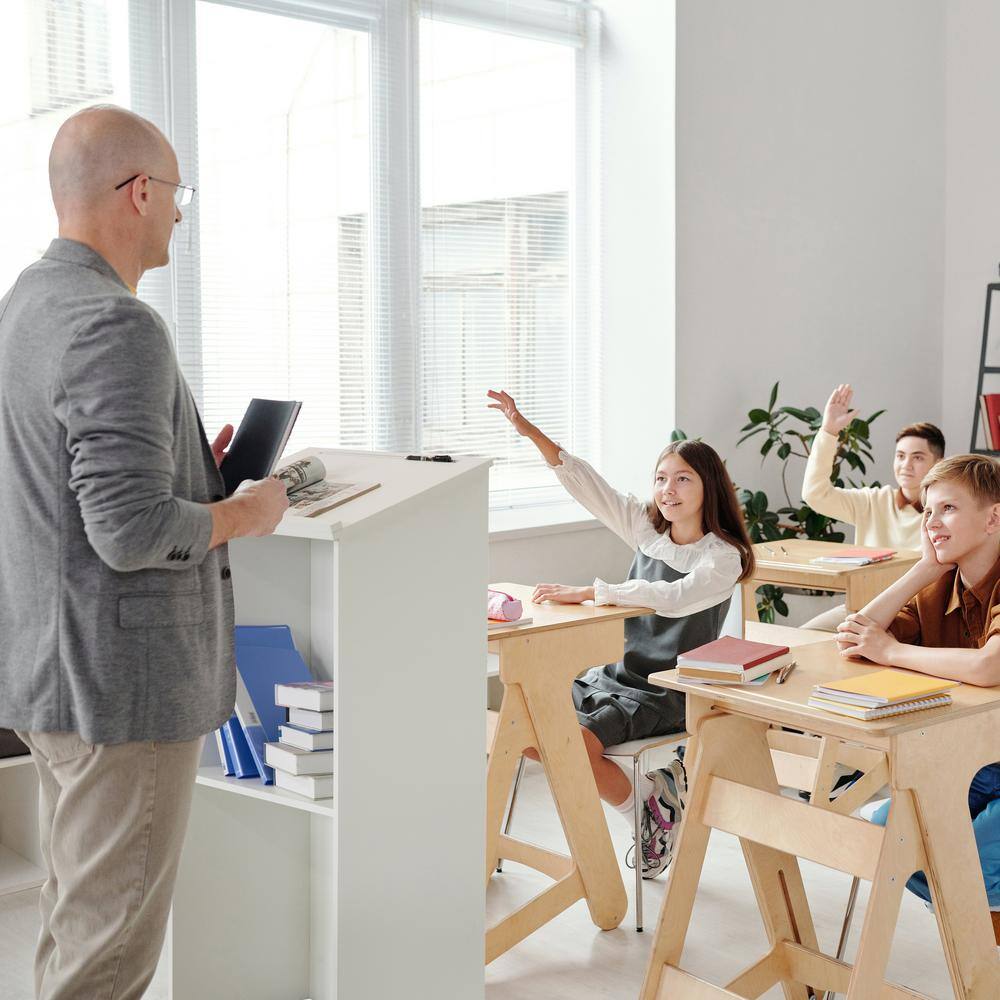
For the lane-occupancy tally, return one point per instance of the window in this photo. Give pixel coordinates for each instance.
(48, 53)
(283, 161)
(499, 175)
(394, 207)
(71, 60)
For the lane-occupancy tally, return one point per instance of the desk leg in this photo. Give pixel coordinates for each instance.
(512, 735)
(574, 790)
(901, 851)
(734, 748)
(748, 592)
(956, 882)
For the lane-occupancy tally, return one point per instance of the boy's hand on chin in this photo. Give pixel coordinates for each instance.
(860, 638)
(559, 593)
(928, 554)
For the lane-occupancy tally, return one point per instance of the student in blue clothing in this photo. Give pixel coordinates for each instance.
(691, 549)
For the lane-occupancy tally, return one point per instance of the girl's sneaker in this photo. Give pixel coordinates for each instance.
(661, 816)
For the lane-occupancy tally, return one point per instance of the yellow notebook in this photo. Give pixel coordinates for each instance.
(884, 687)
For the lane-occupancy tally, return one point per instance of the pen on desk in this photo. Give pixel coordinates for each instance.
(429, 458)
(784, 672)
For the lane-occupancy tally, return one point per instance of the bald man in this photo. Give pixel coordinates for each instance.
(116, 604)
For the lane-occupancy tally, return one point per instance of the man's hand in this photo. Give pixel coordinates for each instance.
(221, 443)
(859, 637)
(558, 593)
(266, 501)
(838, 413)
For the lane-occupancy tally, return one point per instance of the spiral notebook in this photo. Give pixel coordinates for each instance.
(882, 711)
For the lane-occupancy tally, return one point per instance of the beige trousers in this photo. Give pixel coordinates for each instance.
(112, 819)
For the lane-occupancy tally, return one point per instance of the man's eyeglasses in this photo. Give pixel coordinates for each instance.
(183, 193)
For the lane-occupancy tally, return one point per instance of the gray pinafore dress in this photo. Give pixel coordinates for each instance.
(616, 702)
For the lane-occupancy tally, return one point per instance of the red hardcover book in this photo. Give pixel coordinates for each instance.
(730, 654)
(992, 400)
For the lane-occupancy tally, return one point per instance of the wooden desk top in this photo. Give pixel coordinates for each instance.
(818, 662)
(552, 616)
(801, 550)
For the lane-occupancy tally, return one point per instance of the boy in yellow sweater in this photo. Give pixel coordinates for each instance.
(883, 516)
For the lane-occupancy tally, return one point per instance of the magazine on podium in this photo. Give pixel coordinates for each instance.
(309, 491)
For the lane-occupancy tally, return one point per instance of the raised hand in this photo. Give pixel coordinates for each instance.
(504, 402)
(838, 413)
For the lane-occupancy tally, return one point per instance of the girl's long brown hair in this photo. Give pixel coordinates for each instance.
(720, 510)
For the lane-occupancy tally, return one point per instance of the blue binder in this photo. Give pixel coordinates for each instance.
(260, 668)
(244, 764)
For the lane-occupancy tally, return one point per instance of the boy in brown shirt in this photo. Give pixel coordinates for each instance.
(943, 618)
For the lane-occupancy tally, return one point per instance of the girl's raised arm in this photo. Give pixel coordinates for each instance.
(504, 402)
(614, 510)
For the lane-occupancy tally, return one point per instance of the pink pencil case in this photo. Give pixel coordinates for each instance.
(502, 607)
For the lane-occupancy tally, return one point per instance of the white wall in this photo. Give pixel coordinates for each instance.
(810, 217)
(572, 556)
(972, 220)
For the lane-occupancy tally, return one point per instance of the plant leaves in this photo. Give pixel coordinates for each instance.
(758, 416)
(796, 412)
(774, 396)
(750, 435)
(785, 450)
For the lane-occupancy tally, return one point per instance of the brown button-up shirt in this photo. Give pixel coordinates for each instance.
(950, 615)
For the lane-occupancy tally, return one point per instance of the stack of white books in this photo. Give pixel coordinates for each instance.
(303, 756)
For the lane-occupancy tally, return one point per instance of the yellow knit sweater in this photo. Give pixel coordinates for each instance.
(877, 518)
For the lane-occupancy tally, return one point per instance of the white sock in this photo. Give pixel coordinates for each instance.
(627, 808)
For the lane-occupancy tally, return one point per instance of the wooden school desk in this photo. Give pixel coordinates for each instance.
(538, 663)
(927, 758)
(786, 563)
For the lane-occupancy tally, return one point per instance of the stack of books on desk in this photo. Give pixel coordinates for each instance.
(882, 693)
(731, 661)
(303, 756)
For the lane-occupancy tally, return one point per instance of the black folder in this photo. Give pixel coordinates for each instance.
(259, 441)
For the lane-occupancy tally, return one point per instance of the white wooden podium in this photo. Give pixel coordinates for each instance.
(377, 892)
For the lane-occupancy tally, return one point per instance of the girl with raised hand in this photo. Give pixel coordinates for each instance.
(691, 549)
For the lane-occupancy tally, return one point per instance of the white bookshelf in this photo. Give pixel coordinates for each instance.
(377, 892)
(21, 862)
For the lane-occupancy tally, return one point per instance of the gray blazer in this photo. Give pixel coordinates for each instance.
(116, 622)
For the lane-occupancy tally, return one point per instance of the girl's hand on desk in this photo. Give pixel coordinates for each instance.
(558, 593)
(860, 638)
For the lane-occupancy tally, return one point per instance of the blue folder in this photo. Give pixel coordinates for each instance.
(244, 764)
(260, 668)
(279, 636)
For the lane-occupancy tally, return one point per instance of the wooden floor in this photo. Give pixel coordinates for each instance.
(570, 958)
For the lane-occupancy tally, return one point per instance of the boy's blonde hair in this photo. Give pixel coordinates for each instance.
(979, 474)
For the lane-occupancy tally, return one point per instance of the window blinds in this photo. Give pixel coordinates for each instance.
(395, 205)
